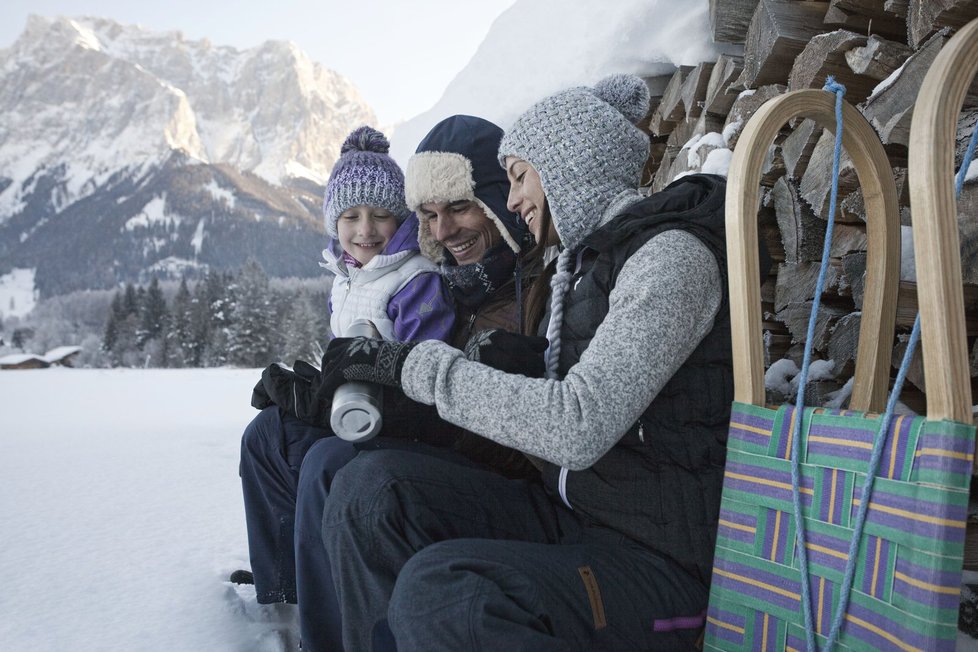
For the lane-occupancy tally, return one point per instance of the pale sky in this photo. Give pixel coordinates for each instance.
(401, 54)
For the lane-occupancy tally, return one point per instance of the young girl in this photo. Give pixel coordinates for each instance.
(373, 249)
(381, 276)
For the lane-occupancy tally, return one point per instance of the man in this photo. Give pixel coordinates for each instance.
(459, 191)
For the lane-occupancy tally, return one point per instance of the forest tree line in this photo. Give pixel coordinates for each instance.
(239, 319)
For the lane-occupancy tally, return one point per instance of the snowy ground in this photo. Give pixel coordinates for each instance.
(121, 513)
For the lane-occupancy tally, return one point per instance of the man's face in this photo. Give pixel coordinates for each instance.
(462, 227)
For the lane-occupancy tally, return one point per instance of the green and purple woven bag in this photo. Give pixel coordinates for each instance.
(904, 579)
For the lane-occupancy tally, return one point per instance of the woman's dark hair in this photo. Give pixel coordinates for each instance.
(538, 296)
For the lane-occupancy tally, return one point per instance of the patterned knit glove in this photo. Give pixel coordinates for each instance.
(363, 359)
(509, 352)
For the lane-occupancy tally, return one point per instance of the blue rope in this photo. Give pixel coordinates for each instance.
(838, 617)
(806, 591)
(969, 155)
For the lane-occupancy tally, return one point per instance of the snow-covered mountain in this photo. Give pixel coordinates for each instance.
(125, 152)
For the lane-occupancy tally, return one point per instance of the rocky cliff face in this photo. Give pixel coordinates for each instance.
(126, 153)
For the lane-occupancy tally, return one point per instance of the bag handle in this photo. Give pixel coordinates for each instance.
(935, 227)
(872, 373)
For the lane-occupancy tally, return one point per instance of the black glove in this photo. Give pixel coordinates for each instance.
(363, 359)
(294, 390)
(509, 352)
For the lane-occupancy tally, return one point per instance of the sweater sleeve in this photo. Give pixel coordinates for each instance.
(422, 310)
(664, 303)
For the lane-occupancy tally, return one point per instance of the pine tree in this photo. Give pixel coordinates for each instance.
(302, 338)
(111, 333)
(219, 293)
(250, 333)
(179, 337)
(121, 337)
(130, 302)
(153, 314)
(200, 324)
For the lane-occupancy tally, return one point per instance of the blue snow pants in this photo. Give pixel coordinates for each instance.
(286, 469)
(464, 559)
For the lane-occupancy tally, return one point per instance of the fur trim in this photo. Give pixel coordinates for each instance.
(435, 177)
(438, 177)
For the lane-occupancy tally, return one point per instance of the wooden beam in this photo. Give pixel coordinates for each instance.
(890, 108)
(867, 17)
(670, 109)
(718, 100)
(729, 19)
(777, 34)
(746, 104)
(879, 58)
(816, 183)
(824, 56)
(693, 91)
(925, 17)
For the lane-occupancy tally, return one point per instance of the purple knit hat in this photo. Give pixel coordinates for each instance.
(364, 175)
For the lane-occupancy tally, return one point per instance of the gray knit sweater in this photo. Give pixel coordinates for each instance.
(663, 304)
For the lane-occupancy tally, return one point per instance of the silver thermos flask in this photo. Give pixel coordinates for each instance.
(356, 406)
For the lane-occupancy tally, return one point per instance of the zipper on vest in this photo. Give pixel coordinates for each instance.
(641, 432)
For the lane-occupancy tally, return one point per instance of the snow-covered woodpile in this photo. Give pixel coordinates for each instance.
(880, 50)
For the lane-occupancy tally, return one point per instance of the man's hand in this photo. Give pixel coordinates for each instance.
(509, 352)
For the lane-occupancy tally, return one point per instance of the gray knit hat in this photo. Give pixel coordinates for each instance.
(364, 175)
(584, 144)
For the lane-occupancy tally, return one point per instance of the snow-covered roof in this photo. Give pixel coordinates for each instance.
(20, 358)
(61, 352)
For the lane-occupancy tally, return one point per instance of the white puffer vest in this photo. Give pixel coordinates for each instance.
(363, 293)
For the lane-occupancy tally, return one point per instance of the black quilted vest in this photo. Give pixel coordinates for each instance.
(660, 484)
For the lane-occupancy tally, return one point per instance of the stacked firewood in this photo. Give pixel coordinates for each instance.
(880, 51)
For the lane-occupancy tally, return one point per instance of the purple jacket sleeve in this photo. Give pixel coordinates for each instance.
(422, 310)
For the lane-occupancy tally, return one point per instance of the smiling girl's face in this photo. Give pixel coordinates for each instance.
(364, 231)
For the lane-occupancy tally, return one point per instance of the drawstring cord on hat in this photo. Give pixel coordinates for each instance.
(558, 287)
(518, 272)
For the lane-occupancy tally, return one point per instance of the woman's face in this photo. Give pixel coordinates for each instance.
(364, 231)
(526, 198)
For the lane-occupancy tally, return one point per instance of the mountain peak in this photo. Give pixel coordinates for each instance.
(124, 152)
(268, 109)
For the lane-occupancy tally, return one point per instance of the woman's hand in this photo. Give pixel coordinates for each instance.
(363, 359)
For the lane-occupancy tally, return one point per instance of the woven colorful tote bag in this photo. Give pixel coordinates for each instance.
(906, 544)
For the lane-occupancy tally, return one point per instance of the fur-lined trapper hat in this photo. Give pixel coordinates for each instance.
(456, 161)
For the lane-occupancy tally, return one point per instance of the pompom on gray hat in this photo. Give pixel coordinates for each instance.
(584, 144)
(364, 175)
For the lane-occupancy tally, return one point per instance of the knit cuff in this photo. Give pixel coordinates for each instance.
(419, 375)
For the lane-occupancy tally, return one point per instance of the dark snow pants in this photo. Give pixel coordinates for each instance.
(464, 559)
(319, 611)
(272, 449)
(286, 469)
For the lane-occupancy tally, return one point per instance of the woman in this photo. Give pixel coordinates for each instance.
(614, 549)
